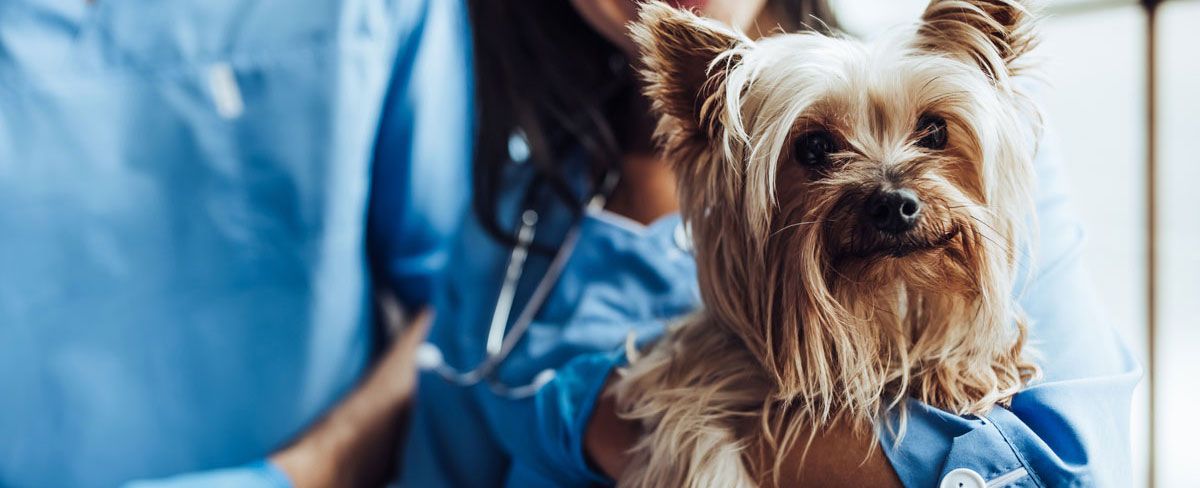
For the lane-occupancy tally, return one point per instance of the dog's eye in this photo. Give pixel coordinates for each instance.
(932, 132)
(813, 149)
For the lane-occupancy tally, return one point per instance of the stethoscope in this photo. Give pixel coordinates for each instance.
(501, 342)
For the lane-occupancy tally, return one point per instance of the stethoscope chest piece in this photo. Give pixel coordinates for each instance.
(429, 357)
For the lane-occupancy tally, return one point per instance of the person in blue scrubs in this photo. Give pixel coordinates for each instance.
(188, 194)
(558, 112)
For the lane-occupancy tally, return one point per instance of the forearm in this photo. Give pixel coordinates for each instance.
(609, 437)
(837, 456)
(356, 443)
(353, 446)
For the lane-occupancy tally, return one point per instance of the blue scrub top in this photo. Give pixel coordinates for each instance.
(1070, 429)
(187, 194)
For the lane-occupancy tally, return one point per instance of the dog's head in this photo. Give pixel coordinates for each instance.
(856, 207)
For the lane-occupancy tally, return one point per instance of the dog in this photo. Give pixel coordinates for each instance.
(857, 212)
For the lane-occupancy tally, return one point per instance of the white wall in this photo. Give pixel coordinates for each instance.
(1178, 343)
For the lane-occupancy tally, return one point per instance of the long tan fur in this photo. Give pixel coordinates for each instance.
(805, 320)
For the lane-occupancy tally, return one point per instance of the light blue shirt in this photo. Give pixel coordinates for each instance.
(188, 190)
(1070, 429)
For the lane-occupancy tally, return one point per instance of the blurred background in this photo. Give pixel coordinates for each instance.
(1123, 98)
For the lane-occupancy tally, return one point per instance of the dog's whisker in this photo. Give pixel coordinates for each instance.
(1023, 252)
(800, 224)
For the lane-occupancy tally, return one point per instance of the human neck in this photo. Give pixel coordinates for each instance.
(647, 189)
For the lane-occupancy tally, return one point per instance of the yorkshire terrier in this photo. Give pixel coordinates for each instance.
(857, 210)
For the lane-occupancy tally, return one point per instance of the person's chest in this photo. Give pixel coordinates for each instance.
(190, 178)
(618, 277)
(154, 35)
(175, 134)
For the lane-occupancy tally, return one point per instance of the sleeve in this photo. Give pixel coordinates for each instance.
(260, 474)
(565, 406)
(545, 433)
(1071, 428)
(419, 181)
(420, 177)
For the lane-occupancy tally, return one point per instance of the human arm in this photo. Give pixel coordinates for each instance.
(572, 436)
(355, 444)
(421, 175)
(418, 189)
(840, 457)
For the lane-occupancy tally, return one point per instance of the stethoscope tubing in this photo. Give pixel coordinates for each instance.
(500, 343)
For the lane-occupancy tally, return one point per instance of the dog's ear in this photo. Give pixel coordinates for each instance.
(685, 62)
(991, 33)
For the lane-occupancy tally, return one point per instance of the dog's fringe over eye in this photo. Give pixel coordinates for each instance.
(932, 132)
(813, 149)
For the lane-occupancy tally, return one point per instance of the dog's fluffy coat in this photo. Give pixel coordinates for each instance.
(810, 317)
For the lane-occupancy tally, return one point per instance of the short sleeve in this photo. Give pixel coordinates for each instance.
(420, 180)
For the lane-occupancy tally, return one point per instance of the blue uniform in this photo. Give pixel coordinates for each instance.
(1070, 429)
(184, 199)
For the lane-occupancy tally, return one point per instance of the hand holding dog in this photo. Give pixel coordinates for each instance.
(355, 444)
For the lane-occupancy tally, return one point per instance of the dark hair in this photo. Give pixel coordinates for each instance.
(542, 71)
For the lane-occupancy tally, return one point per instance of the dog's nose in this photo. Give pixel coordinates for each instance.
(894, 211)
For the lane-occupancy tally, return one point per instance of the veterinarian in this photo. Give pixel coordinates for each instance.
(187, 194)
(573, 246)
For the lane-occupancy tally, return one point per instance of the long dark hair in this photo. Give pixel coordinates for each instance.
(541, 71)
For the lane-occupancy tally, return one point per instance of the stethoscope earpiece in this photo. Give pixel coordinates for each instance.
(518, 147)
